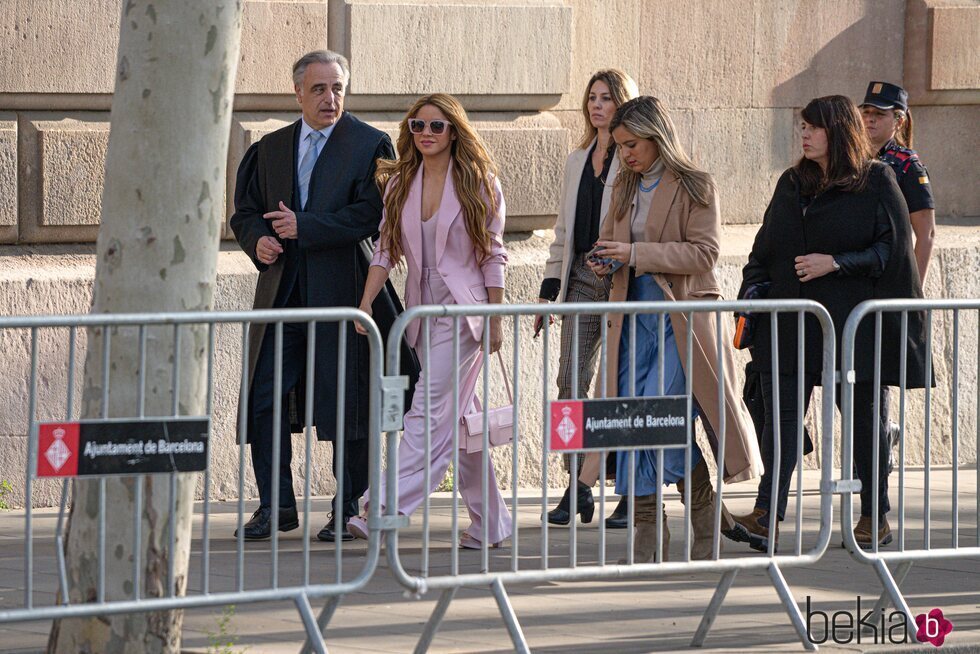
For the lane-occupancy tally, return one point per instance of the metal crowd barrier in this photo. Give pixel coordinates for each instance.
(572, 562)
(177, 333)
(915, 541)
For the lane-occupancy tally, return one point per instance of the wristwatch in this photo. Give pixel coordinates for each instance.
(836, 265)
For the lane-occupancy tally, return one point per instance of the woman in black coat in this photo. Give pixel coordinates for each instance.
(836, 231)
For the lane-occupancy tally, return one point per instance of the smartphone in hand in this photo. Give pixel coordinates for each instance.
(594, 257)
(539, 324)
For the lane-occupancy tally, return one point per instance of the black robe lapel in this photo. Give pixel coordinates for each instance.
(281, 167)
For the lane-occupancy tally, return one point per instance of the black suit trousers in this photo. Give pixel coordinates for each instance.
(262, 409)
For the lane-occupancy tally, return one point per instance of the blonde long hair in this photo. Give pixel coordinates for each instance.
(646, 117)
(622, 88)
(903, 135)
(473, 173)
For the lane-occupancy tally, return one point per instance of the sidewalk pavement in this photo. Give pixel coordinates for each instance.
(646, 615)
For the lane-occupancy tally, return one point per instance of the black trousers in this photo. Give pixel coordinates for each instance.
(863, 443)
(262, 405)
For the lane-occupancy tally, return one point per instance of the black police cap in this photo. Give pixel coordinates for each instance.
(886, 96)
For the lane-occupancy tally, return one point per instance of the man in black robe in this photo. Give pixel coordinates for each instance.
(305, 199)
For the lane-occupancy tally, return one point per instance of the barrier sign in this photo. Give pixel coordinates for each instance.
(619, 423)
(122, 447)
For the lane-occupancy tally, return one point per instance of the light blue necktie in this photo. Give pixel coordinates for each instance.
(306, 167)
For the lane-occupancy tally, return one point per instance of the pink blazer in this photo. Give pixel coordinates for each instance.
(456, 258)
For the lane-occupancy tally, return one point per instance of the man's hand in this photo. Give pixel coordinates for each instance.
(267, 250)
(283, 221)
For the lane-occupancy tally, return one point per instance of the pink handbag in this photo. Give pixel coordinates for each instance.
(500, 421)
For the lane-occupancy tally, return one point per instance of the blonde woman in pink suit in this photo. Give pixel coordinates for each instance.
(444, 217)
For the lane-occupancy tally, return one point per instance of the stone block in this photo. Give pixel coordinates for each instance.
(931, 51)
(953, 171)
(274, 35)
(8, 177)
(529, 150)
(698, 53)
(35, 59)
(460, 48)
(574, 124)
(58, 47)
(809, 49)
(955, 48)
(62, 170)
(592, 23)
(746, 150)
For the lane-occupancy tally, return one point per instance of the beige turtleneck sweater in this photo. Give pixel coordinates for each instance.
(642, 204)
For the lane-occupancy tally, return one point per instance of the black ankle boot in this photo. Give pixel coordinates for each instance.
(620, 517)
(586, 507)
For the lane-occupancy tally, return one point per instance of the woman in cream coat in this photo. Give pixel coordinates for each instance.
(664, 226)
(584, 201)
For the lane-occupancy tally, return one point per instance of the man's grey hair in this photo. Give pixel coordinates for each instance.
(320, 57)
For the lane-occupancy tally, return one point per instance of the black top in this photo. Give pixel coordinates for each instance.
(588, 205)
(867, 262)
(851, 226)
(913, 179)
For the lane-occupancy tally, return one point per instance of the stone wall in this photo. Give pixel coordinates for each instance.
(735, 75)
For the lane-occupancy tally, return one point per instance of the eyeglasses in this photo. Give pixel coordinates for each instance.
(417, 126)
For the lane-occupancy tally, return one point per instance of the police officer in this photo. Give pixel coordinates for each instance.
(888, 123)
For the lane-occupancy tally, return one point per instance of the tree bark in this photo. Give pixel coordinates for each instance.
(162, 214)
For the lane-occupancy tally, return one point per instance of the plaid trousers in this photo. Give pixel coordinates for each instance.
(583, 286)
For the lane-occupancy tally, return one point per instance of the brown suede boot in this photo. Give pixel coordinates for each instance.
(645, 540)
(703, 513)
(754, 530)
(862, 533)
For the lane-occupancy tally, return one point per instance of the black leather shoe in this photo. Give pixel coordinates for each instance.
(585, 505)
(327, 533)
(620, 517)
(259, 527)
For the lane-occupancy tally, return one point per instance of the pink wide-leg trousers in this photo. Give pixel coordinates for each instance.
(437, 381)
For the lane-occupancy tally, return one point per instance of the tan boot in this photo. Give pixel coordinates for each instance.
(645, 540)
(862, 533)
(703, 513)
(754, 530)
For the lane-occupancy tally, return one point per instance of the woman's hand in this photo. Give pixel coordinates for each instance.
(812, 266)
(366, 308)
(600, 270)
(539, 321)
(496, 334)
(614, 250)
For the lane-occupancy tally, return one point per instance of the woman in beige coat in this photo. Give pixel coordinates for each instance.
(663, 226)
